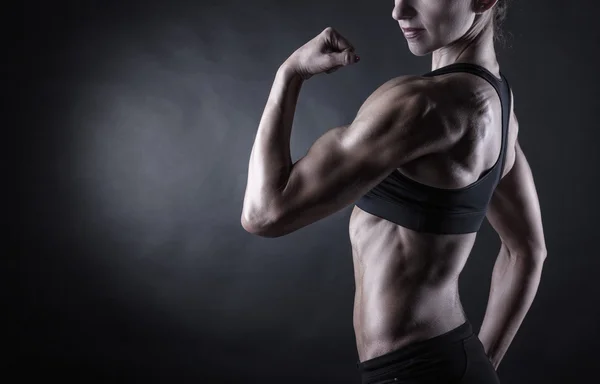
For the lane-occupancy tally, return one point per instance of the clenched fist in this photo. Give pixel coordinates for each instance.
(327, 52)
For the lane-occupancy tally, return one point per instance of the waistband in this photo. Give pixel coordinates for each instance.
(411, 350)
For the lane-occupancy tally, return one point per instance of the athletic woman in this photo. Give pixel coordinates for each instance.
(424, 161)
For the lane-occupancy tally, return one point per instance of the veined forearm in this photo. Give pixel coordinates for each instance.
(270, 160)
(515, 281)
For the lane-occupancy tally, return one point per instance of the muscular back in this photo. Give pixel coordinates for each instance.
(406, 281)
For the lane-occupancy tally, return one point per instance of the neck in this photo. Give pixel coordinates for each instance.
(476, 47)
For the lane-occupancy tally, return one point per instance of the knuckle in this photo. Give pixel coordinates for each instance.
(328, 30)
(348, 58)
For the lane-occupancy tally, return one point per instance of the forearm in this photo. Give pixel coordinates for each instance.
(515, 280)
(270, 160)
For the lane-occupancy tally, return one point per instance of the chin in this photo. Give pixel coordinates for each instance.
(419, 46)
(419, 52)
(419, 49)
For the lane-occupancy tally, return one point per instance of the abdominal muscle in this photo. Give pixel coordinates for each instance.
(406, 283)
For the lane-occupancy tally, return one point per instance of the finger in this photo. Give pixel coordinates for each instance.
(334, 61)
(345, 58)
(337, 40)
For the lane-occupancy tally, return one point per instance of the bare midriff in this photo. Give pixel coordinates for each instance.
(406, 283)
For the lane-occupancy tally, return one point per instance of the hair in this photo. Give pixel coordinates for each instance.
(499, 15)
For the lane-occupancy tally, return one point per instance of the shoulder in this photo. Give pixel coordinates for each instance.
(411, 116)
(438, 103)
(434, 95)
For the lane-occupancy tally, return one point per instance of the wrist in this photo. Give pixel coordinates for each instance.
(288, 70)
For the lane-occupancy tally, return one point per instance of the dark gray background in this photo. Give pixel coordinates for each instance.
(135, 122)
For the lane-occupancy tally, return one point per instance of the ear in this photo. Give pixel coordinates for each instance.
(483, 5)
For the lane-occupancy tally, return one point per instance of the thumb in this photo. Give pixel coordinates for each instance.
(346, 58)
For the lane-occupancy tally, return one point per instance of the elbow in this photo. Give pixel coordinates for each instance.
(535, 253)
(251, 227)
(258, 228)
(254, 229)
(541, 254)
(261, 231)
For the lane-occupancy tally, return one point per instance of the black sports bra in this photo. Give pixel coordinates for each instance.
(423, 208)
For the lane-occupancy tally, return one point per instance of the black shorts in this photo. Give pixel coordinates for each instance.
(455, 357)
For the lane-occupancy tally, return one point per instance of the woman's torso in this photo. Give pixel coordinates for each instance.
(407, 282)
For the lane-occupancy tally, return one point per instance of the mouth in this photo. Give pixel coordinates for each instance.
(410, 33)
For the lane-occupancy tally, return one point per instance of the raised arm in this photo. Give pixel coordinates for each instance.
(405, 118)
(514, 212)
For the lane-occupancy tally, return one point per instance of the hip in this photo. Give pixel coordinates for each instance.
(456, 356)
(387, 320)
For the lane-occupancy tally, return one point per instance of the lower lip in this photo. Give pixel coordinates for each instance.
(413, 34)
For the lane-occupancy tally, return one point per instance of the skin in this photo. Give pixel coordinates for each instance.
(444, 131)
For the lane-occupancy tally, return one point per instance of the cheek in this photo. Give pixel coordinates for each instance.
(449, 26)
(447, 19)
